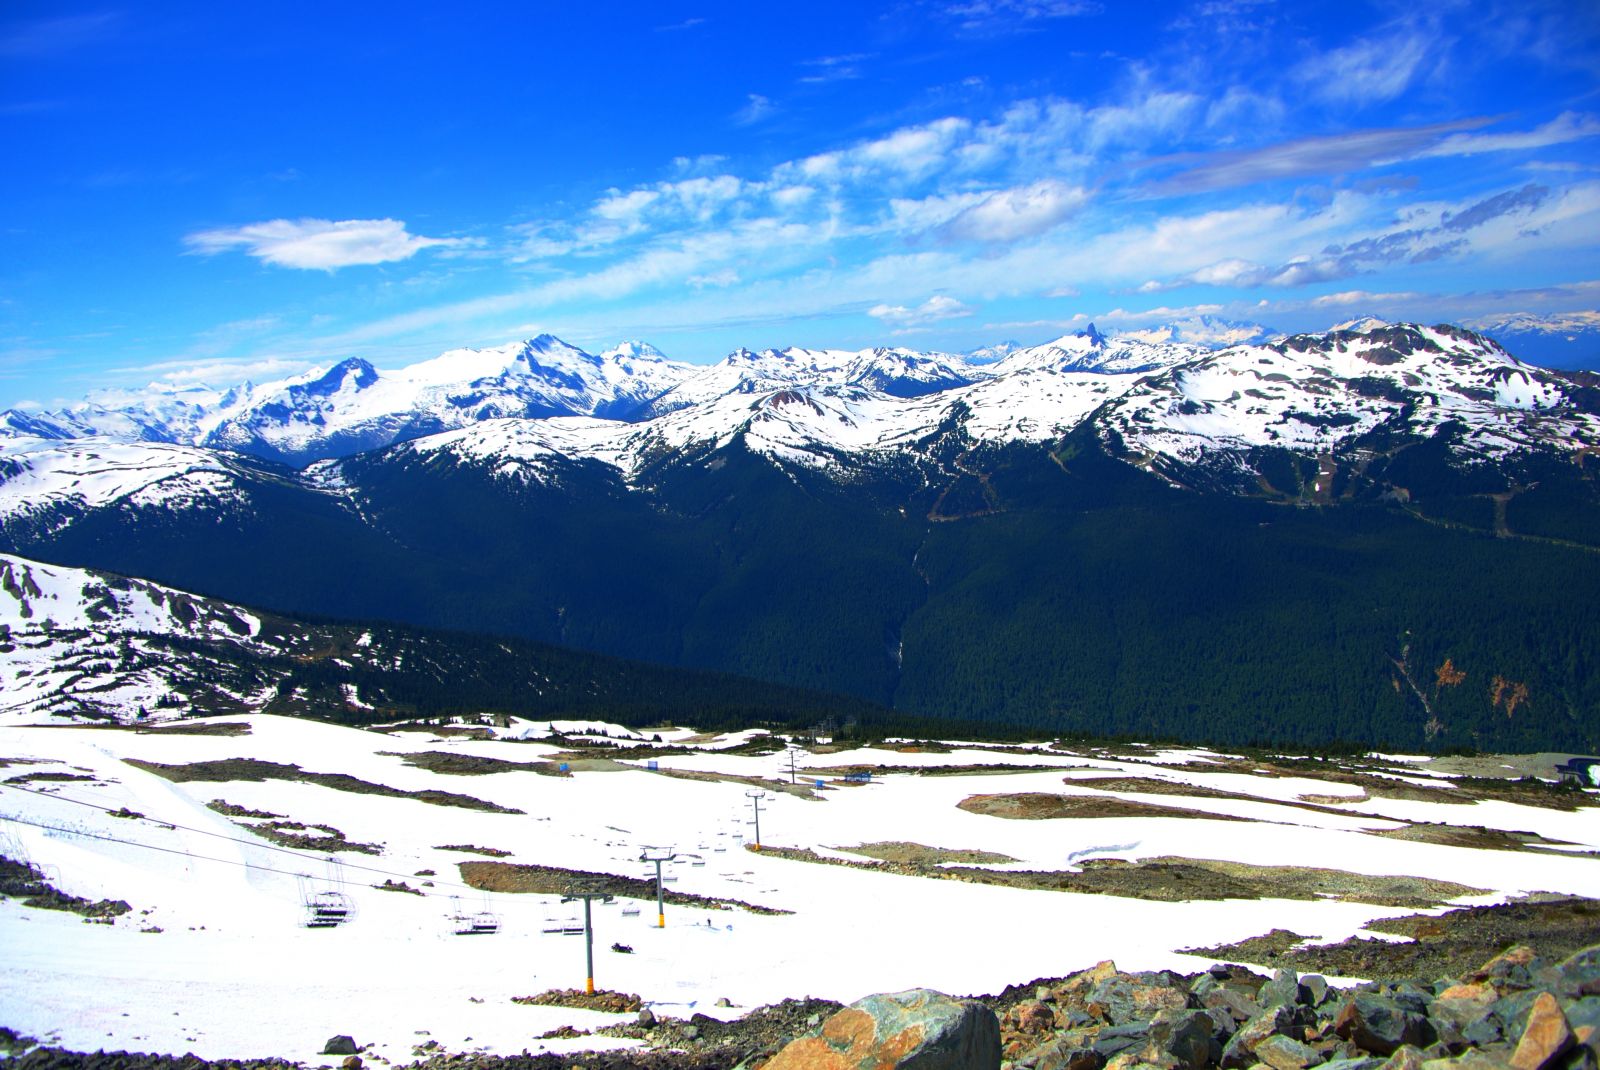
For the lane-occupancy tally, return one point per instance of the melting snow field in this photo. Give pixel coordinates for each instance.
(215, 957)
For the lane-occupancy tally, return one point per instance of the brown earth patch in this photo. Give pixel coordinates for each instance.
(450, 763)
(554, 880)
(600, 1000)
(919, 855)
(1175, 880)
(254, 771)
(36, 778)
(467, 848)
(804, 791)
(185, 728)
(1452, 944)
(1478, 837)
(1043, 806)
(974, 769)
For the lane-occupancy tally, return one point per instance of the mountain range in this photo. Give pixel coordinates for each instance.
(1275, 540)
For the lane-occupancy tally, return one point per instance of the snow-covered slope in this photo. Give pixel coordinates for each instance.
(46, 481)
(1090, 351)
(1320, 394)
(79, 642)
(897, 372)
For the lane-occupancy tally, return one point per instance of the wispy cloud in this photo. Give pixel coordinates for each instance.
(1011, 16)
(1014, 214)
(1332, 154)
(1525, 199)
(826, 69)
(1564, 128)
(756, 108)
(48, 37)
(678, 27)
(935, 309)
(1371, 70)
(318, 244)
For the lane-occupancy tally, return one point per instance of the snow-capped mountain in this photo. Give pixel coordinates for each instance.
(1325, 395)
(1090, 351)
(897, 372)
(353, 406)
(1561, 340)
(1205, 330)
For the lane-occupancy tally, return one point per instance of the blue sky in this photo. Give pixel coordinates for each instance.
(214, 192)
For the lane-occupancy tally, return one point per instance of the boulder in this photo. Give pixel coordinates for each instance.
(1186, 1039)
(1580, 973)
(1067, 1052)
(918, 1030)
(647, 1017)
(1286, 1053)
(1405, 1057)
(1031, 1016)
(351, 1062)
(340, 1045)
(1283, 989)
(1274, 1021)
(1381, 1025)
(1546, 1038)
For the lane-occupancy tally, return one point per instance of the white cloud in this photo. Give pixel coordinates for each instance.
(319, 244)
(756, 108)
(1568, 126)
(1014, 214)
(935, 309)
(1371, 70)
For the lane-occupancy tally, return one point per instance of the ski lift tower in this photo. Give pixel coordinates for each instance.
(755, 796)
(659, 858)
(588, 891)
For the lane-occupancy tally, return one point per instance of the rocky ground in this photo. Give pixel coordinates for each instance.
(1521, 1010)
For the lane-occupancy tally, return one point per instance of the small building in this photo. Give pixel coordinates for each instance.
(1584, 772)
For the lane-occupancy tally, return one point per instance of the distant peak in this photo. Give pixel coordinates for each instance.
(1095, 337)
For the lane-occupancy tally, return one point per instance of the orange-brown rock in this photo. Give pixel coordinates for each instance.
(885, 1031)
(1546, 1038)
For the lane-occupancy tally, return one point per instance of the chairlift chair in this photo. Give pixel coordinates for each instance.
(461, 923)
(630, 909)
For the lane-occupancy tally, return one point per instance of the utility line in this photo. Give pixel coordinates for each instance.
(221, 836)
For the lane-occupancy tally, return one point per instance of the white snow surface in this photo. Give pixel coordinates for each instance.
(229, 905)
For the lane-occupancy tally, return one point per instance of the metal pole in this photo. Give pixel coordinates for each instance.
(755, 805)
(661, 908)
(658, 859)
(588, 939)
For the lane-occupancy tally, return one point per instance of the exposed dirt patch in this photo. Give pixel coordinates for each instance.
(19, 880)
(1451, 944)
(467, 848)
(254, 771)
(397, 886)
(973, 769)
(36, 778)
(450, 763)
(228, 809)
(553, 880)
(1043, 806)
(917, 854)
(5, 762)
(600, 1000)
(1176, 880)
(184, 728)
(1479, 837)
(444, 731)
(1317, 804)
(804, 791)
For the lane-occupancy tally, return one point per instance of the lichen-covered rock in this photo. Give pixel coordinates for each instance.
(916, 1030)
(1381, 1025)
(1286, 1053)
(1546, 1038)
